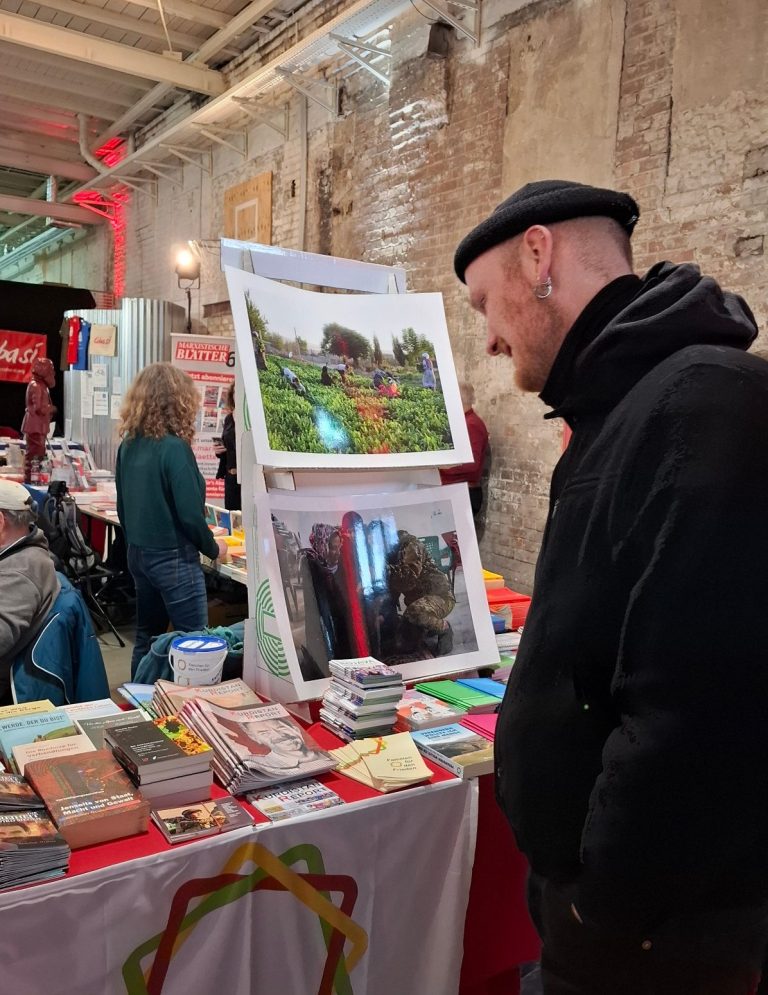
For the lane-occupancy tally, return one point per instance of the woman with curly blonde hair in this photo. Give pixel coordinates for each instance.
(161, 504)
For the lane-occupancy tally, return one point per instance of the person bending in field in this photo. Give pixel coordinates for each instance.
(293, 381)
(325, 377)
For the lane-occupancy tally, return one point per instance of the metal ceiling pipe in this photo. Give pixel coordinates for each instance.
(85, 152)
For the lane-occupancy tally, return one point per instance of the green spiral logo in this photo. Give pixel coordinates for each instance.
(270, 646)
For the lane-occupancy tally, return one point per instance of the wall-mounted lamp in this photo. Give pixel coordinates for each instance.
(187, 269)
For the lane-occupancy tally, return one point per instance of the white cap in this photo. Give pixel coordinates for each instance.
(14, 496)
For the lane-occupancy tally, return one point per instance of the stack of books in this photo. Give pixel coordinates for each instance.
(508, 642)
(460, 750)
(90, 797)
(16, 794)
(31, 848)
(417, 710)
(255, 746)
(361, 699)
(486, 685)
(166, 759)
(483, 725)
(386, 763)
(461, 696)
(169, 698)
(504, 670)
(190, 822)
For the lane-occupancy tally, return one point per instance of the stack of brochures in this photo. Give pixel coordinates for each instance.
(169, 698)
(385, 763)
(31, 848)
(361, 699)
(255, 746)
(417, 710)
(461, 696)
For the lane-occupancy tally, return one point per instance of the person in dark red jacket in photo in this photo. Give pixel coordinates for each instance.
(478, 438)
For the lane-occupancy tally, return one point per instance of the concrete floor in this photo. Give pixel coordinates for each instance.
(117, 660)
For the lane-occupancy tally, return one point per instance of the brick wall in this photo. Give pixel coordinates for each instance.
(406, 171)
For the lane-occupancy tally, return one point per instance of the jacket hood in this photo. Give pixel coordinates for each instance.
(648, 320)
(34, 538)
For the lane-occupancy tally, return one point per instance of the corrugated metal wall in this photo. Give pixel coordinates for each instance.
(144, 329)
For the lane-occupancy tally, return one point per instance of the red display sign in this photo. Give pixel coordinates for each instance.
(18, 351)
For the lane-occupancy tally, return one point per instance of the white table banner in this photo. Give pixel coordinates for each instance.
(365, 899)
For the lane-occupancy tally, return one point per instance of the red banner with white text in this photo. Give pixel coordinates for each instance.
(18, 351)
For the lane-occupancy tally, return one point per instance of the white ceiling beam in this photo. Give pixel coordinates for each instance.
(17, 113)
(86, 48)
(36, 145)
(215, 44)
(42, 129)
(48, 209)
(83, 71)
(137, 26)
(70, 86)
(173, 136)
(43, 97)
(235, 26)
(190, 11)
(18, 141)
(45, 165)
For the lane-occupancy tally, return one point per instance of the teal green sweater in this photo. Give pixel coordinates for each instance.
(161, 495)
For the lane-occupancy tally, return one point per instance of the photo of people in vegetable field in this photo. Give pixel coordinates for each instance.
(389, 576)
(347, 379)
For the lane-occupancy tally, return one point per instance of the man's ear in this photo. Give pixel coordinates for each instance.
(536, 254)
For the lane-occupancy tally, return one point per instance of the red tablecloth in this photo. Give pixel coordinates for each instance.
(106, 854)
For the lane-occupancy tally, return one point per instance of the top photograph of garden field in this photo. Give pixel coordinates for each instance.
(328, 388)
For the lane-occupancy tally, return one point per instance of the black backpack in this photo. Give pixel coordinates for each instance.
(65, 539)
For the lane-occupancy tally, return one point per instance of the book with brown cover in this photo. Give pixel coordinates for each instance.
(90, 797)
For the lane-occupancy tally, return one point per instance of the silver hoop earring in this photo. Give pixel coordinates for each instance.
(542, 290)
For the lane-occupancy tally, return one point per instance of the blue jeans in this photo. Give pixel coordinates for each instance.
(169, 587)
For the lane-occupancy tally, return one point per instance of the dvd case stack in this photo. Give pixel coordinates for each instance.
(361, 699)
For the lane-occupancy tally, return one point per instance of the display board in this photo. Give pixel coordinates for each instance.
(395, 576)
(347, 381)
(210, 361)
(360, 559)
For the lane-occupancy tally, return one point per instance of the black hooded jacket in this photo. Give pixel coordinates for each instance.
(632, 746)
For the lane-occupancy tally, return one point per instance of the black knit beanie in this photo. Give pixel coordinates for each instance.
(543, 203)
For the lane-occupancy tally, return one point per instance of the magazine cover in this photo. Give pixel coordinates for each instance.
(299, 798)
(207, 818)
(16, 793)
(28, 830)
(266, 739)
(347, 380)
(229, 694)
(393, 576)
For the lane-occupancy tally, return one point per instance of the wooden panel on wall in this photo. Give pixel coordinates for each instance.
(248, 210)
